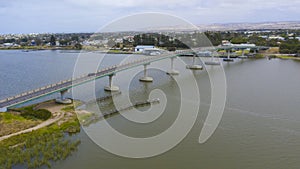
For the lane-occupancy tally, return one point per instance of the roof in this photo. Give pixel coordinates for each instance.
(144, 46)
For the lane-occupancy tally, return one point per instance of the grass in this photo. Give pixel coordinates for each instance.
(287, 57)
(9, 118)
(36, 149)
(83, 117)
(41, 147)
(68, 108)
(12, 123)
(240, 52)
(29, 112)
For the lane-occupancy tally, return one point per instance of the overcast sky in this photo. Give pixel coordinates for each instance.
(38, 16)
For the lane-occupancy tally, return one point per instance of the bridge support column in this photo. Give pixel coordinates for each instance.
(62, 99)
(243, 54)
(228, 59)
(111, 87)
(146, 78)
(172, 71)
(194, 66)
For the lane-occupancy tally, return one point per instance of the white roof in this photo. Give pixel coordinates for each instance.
(144, 46)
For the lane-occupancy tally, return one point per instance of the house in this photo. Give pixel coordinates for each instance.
(140, 48)
(226, 43)
(7, 44)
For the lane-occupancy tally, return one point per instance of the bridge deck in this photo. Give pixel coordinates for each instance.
(67, 84)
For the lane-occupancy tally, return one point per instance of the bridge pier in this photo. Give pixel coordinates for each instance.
(255, 51)
(62, 99)
(194, 66)
(172, 71)
(111, 87)
(228, 59)
(243, 54)
(146, 78)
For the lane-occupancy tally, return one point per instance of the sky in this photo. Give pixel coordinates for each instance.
(62, 16)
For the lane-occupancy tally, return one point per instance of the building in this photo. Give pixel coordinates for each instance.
(140, 48)
(226, 43)
(7, 44)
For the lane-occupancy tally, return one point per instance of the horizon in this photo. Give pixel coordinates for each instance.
(20, 17)
(210, 24)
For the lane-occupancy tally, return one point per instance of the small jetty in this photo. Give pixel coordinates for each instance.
(212, 63)
(116, 111)
(104, 98)
(187, 55)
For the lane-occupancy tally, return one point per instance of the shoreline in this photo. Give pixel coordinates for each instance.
(106, 51)
(60, 114)
(30, 49)
(34, 142)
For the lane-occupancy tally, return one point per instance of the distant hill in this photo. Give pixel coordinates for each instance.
(233, 26)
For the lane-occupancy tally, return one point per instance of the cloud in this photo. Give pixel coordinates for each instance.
(135, 3)
(89, 15)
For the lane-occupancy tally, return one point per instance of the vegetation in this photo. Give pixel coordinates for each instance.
(291, 46)
(40, 147)
(52, 40)
(30, 113)
(12, 123)
(36, 149)
(287, 40)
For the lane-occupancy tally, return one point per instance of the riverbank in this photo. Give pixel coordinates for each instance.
(15, 121)
(69, 50)
(286, 57)
(40, 145)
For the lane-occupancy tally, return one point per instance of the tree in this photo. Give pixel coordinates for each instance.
(52, 41)
(214, 37)
(78, 46)
(291, 46)
(238, 40)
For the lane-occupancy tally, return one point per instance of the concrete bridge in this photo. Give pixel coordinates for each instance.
(240, 47)
(63, 86)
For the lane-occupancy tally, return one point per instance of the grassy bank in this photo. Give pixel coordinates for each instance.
(287, 57)
(12, 123)
(43, 146)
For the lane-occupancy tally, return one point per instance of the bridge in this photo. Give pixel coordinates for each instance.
(63, 86)
(228, 49)
(240, 47)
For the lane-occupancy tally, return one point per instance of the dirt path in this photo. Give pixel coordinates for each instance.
(57, 114)
(43, 124)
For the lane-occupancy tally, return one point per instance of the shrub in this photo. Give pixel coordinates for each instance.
(40, 114)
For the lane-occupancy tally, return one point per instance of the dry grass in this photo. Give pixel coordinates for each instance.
(11, 123)
(272, 50)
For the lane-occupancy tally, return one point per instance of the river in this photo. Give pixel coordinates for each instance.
(259, 129)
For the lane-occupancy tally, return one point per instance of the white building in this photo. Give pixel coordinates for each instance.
(276, 37)
(8, 44)
(140, 48)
